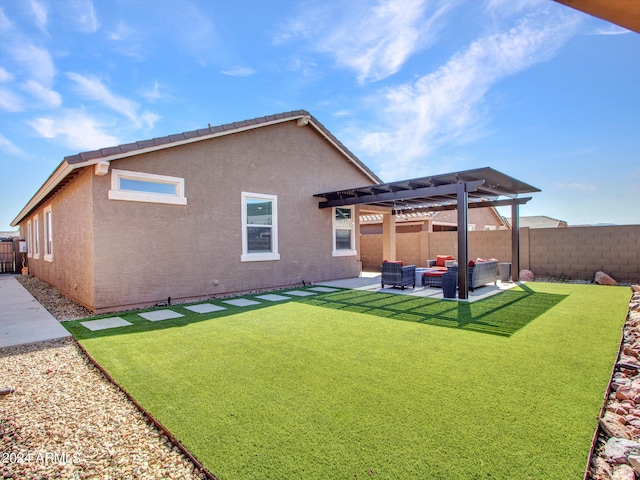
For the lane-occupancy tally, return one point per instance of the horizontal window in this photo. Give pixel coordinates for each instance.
(146, 187)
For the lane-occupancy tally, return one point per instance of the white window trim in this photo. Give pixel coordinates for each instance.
(48, 235)
(260, 257)
(343, 252)
(36, 237)
(116, 194)
(29, 239)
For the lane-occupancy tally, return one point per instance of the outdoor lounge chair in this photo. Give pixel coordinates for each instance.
(393, 273)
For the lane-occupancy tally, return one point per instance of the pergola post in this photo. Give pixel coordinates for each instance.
(515, 241)
(462, 199)
(389, 237)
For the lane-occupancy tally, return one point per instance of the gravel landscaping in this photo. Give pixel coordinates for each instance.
(62, 418)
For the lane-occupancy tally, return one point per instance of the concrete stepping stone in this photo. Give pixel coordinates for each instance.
(272, 297)
(205, 308)
(241, 302)
(105, 323)
(158, 315)
(324, 289)
(300, 293)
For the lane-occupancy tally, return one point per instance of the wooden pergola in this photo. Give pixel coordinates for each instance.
(478, 188)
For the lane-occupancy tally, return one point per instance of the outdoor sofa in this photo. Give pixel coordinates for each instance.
(480, 273)
(397, 275)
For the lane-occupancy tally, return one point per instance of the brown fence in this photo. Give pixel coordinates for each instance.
(576, 252)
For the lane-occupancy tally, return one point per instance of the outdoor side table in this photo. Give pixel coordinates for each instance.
(419, 274)
(505, 271)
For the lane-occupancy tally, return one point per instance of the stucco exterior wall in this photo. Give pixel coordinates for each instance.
(71, 270)
(146, 252)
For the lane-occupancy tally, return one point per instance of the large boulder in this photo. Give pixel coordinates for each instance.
(527, 276)
(604, 279)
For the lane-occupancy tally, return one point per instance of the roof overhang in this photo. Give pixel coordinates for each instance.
(625, 13)
(485, 187)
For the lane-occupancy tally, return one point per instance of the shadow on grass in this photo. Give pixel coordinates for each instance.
(502, 314)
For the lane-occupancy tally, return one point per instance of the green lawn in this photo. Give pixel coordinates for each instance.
(354, 385)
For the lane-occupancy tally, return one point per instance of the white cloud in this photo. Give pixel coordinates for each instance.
(48, 97)
(75, 129)
(10, 102)
(5, 76)
(239, 72)
(582, 187)
(446, 106)
(92, 88)
(40, 12)
(9, 147)
(373, 41)
(612, 30)
(83, 15)
(36, 61)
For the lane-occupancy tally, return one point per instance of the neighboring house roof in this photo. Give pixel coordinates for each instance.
(14, 234)
(63, 172)
(542, 221)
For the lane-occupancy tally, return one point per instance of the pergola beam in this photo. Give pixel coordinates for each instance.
(478, 204)
(448, 189)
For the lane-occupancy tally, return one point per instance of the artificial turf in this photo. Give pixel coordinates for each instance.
(360, 385)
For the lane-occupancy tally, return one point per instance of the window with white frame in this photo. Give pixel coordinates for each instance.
(259, 227)
(146, 187)
(344, 229)
(29, 239)
(36, 237)
(48, 235)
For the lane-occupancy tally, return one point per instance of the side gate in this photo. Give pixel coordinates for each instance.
(10, 259)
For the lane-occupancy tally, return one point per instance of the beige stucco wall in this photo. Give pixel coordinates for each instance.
(146, 252)
(71, 270)
(576, 252)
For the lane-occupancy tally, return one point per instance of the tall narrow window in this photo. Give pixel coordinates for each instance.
(259, 227)
(343, 232)
(29, 239)
(48, 235)
(36, 237)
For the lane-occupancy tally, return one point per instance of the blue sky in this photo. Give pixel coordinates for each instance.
(532, 88)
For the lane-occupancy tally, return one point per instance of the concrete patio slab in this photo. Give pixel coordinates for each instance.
(241, 302)
(370, 281)
(22, 319)
(205, 308)
(299, 293)
(272, 297)
(105, 323)
(324, 289)
(158, 315)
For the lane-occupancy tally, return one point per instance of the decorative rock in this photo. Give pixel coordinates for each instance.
(634, 461)
(623, 472)
(602, 470)
(613, 427)
(625, 393)
(604, 279)
(527, 276)
(618, 449)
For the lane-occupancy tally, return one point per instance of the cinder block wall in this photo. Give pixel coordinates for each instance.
(579, 252)
(576, 252)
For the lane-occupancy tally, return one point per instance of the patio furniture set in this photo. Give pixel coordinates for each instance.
(396, 274)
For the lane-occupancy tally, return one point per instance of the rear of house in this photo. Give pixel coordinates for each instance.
(222, 210)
